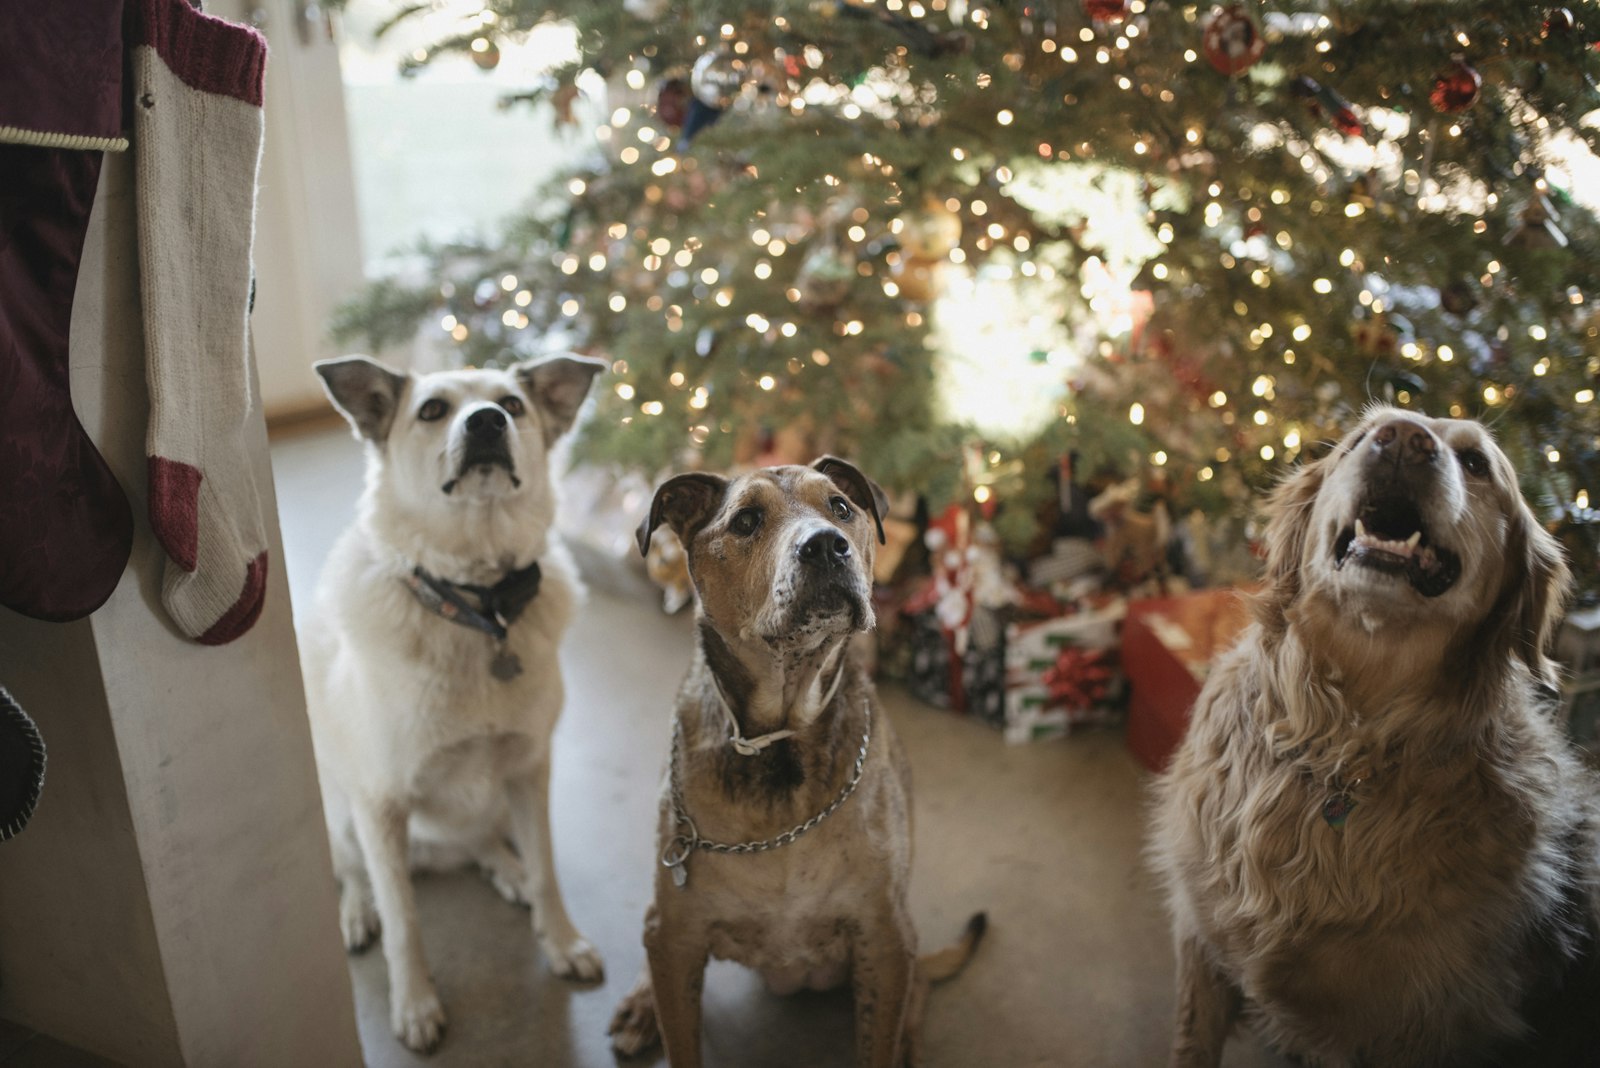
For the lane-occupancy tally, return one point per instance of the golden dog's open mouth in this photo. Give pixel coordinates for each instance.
(1388, 535)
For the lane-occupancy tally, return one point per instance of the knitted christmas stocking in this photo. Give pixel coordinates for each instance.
(197, 93)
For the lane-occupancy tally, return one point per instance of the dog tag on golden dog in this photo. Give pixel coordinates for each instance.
(1336, 809)
(505, 666)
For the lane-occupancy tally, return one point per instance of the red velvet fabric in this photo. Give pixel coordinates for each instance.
(61, 67)
(65, 525)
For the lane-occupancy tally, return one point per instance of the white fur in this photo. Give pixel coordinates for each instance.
(427, 759)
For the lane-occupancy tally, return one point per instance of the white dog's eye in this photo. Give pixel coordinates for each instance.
(1474, 462)
(432, 409)
(513, 406)
(841, 508)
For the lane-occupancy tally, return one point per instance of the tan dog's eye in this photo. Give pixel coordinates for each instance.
(513, 406)
(745, 521)
(841, 509)
(432, 409)
(1474, 462)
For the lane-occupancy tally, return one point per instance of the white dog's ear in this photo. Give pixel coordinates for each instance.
(685, 503)
(365, 391)
(557, 386)
(865, 493)
(1288, 523)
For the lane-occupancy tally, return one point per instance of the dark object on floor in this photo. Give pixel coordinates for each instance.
(21, 767)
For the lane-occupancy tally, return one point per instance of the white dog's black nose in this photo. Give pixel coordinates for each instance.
(1405, 441)
(825, 548)
(486, 424)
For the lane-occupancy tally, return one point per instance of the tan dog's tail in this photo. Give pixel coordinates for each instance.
(946, 962)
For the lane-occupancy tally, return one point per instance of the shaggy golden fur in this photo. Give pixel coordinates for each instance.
(1452, 919)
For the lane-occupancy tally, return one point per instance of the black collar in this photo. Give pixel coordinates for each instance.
(498, 606)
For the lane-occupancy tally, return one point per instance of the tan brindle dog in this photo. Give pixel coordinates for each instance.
(780, 752)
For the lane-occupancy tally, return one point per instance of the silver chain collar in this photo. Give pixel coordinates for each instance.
(676, 855)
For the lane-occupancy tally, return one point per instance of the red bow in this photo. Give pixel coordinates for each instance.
(1080, 678)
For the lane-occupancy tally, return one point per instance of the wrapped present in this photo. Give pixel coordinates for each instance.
(933, 670)
(1168, 647)
(1033, 648)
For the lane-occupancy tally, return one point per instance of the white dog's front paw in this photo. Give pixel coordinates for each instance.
(418, 1021)
(573, 958)
(358, 920)
(505, 873)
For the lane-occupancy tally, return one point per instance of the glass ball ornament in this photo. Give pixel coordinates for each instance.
(717, 78)
(1232, 41)
(930, 234)
(1456, 88)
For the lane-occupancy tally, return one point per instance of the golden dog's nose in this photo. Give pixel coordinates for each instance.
(1406, 441)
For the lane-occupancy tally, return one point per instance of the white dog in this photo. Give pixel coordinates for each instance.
(430, 656)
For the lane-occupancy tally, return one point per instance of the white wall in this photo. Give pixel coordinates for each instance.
(308, 241)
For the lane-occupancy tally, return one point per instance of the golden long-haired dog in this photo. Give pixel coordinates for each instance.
(1379, 847)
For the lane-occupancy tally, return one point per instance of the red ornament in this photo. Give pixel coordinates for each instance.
(1232, 41)
(1456, 88)
(672, 102)
(1106, 11)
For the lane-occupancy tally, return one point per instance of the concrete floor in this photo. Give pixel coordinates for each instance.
(1076, 969)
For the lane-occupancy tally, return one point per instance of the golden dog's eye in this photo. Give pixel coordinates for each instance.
(1475, 462)
(432, 409)
(841, 509)
(513, 406)
(745, 521)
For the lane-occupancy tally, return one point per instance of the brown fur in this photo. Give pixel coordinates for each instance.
(1440, 924)
(830, 906)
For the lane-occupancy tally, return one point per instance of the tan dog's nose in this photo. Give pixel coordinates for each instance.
(1405, 441)
(825, 549)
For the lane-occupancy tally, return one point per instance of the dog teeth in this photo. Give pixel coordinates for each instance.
(1394, 547)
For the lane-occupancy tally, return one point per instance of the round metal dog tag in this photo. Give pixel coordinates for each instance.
(505, 666)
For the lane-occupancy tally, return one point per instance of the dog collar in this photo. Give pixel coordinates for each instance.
(675, 857)
(498, 607)
(753, 746)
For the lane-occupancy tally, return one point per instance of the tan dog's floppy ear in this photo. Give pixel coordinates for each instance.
(865, 493)
(557, 386)
(684, 503)
(1288, 523)
(365, 391)
(1534, 594)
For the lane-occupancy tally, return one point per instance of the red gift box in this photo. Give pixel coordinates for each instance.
(1168, 646)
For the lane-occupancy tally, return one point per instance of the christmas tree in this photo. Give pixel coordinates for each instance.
(957, 240)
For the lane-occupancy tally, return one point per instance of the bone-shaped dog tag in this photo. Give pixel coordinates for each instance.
(680, 876)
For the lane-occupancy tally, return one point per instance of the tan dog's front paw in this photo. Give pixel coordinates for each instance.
(573, 958)
(418, 1022)
(633, 1028)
